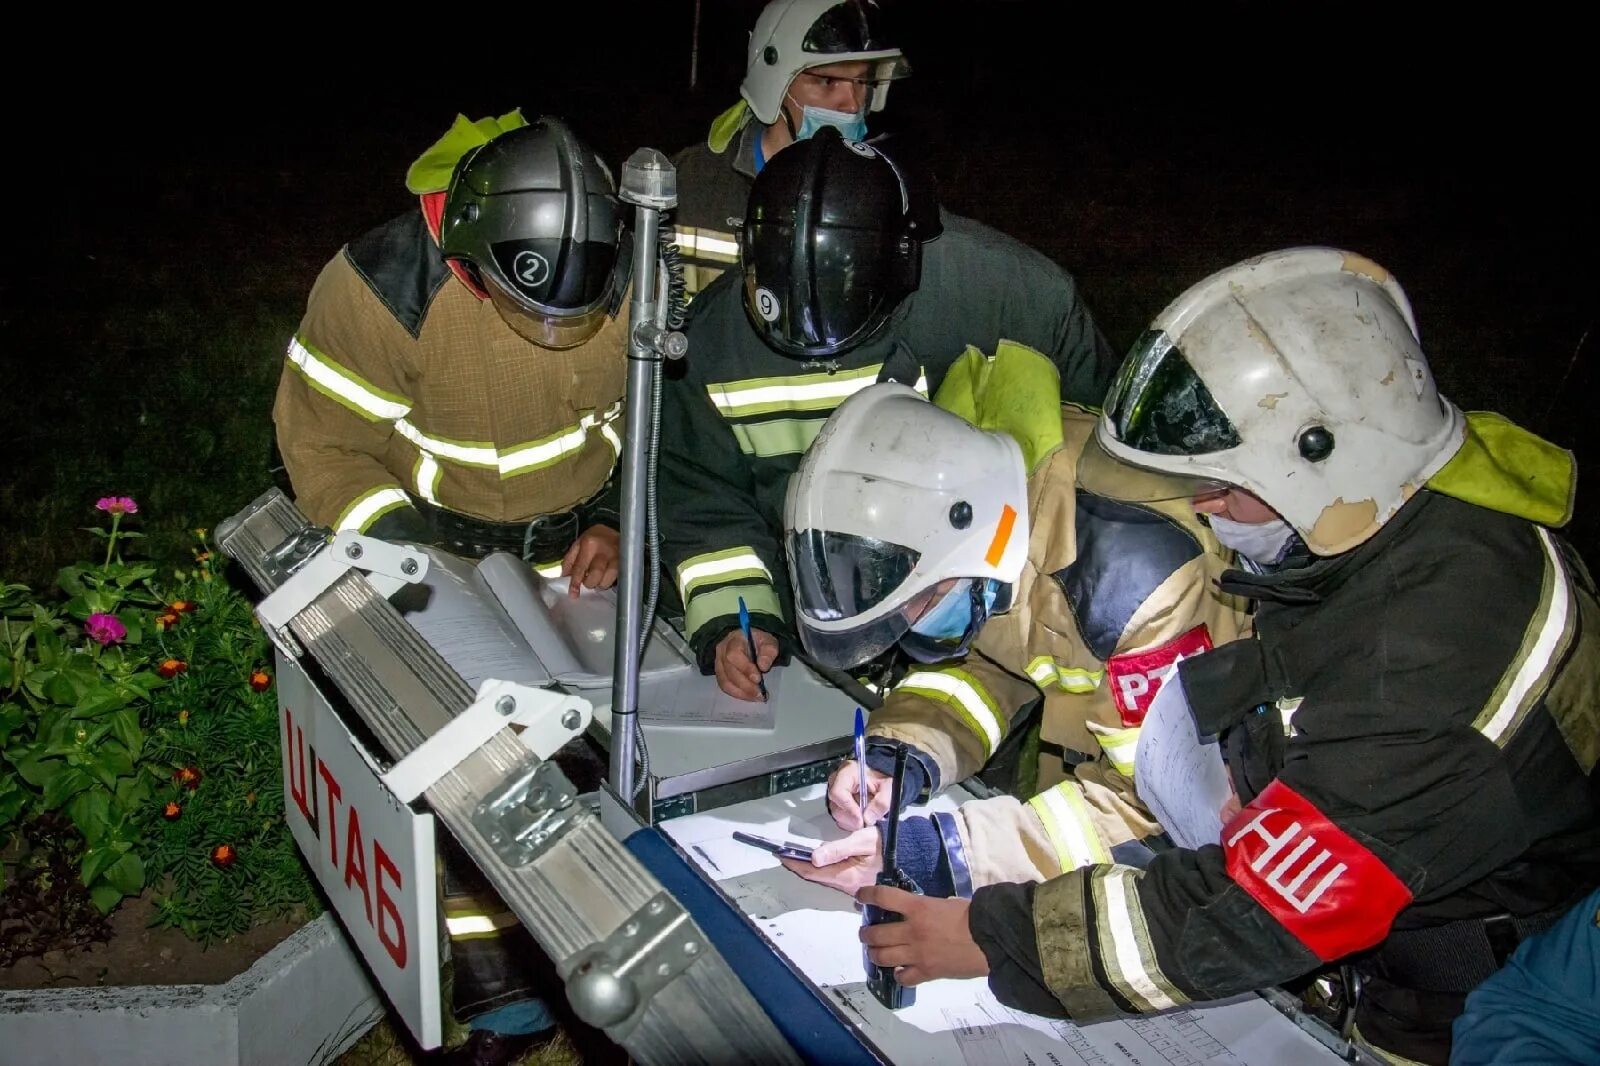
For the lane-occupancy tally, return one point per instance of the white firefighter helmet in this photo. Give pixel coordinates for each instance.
(894, 497)
(793, 35)
(1297, 376)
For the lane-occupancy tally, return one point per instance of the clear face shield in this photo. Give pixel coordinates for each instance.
(839, 576)
(546, 330)
(1157, 407)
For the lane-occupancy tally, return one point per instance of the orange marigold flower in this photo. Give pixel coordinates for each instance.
(202, 556)
(249, 799)
(223, 855)
(187, 777)
(171, 811)
(181, 606)
(171, 668)
(166, 621)
(260, 680)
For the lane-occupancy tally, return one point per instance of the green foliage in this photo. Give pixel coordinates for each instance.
(120, 696)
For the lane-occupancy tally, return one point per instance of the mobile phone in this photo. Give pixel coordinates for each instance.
(783, 850)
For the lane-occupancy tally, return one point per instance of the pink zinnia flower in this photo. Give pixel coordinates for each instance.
(105, 628)
(117, 505)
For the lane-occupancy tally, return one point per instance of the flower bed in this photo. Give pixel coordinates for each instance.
(139, 755)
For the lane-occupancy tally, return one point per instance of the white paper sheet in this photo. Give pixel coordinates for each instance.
(815, 929)
(1182, 780)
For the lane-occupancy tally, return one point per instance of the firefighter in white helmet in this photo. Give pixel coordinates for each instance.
(809, 64)
(955, 530)
(1412, 728)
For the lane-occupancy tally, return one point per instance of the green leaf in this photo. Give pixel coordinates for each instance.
(70, 580)
(60, 689)
(91, 812)
(13, 799)
(125, 727)
(106, 897)
(64, 785)
(7, 675)
(11, 719)
(126, 875)
(109, 763)
(135, 574)
(95, 861)
(37, 770)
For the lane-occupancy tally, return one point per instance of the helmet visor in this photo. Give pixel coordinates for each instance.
(1158, 403)
(839, 576)
(830, 294)
(848, 29)
(547, 331)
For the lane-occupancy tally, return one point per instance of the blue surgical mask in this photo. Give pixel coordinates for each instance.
(948, 628)
(850, 124)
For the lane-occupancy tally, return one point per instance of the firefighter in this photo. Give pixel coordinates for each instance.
(955, 531)
(849, 274)
(809, 64)
(1413, 726)
(458, 380)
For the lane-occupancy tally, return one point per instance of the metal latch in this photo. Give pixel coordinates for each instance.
(549, 718)
(524, 817)
(311, 565)
(610, 982)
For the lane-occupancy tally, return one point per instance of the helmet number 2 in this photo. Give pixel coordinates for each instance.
(767, 305)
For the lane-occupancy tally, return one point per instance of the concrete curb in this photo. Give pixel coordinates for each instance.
(303, 1003)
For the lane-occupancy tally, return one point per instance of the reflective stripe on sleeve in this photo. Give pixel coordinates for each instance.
(961, 692)
(1066, 822)
(730, 564)
(1118, 744)
(344, 387)
(1544, 645)
(1124, 941)
(721, 602)
(1046, 672)
(371, 506)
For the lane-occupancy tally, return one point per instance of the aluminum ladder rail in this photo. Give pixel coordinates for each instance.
(635, 964)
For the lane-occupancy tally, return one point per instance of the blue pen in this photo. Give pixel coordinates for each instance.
(861, 761)
(750, 639)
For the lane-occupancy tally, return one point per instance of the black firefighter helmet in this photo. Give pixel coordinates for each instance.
(831, 244)
(534, 214)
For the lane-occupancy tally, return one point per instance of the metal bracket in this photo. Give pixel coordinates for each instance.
(525, 816)
(312, 565)
(550, 719)
(610, 982)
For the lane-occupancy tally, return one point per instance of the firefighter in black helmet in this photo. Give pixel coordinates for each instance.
(457, 380)
(849, 274)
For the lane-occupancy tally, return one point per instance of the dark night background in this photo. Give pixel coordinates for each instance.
(173, 218)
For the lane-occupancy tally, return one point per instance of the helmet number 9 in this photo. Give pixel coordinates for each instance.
(767, 304)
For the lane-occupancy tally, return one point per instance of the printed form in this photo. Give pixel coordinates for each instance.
(957, 1022)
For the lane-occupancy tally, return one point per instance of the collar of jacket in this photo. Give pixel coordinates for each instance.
(1314, 580)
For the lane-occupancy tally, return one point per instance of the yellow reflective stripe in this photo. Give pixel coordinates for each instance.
(478, 924)
(718, 603)
(467, 453)
(520, 458)
(1544, 644)
(962, 693)
(922, 383)
(427, 475)
(548, 571)
(370, 506)
(803, 392)
(719, 245)
(785, 436)
(558, 446)
(1045, 672)
(340, 385)
(1066, 822)
(1119, 745)
(1125, 948)
(730, 564)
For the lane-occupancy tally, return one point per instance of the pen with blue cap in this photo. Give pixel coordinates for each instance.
(750, 639)
(861, 762)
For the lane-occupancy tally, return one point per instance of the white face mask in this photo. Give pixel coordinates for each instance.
(1260, 542)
